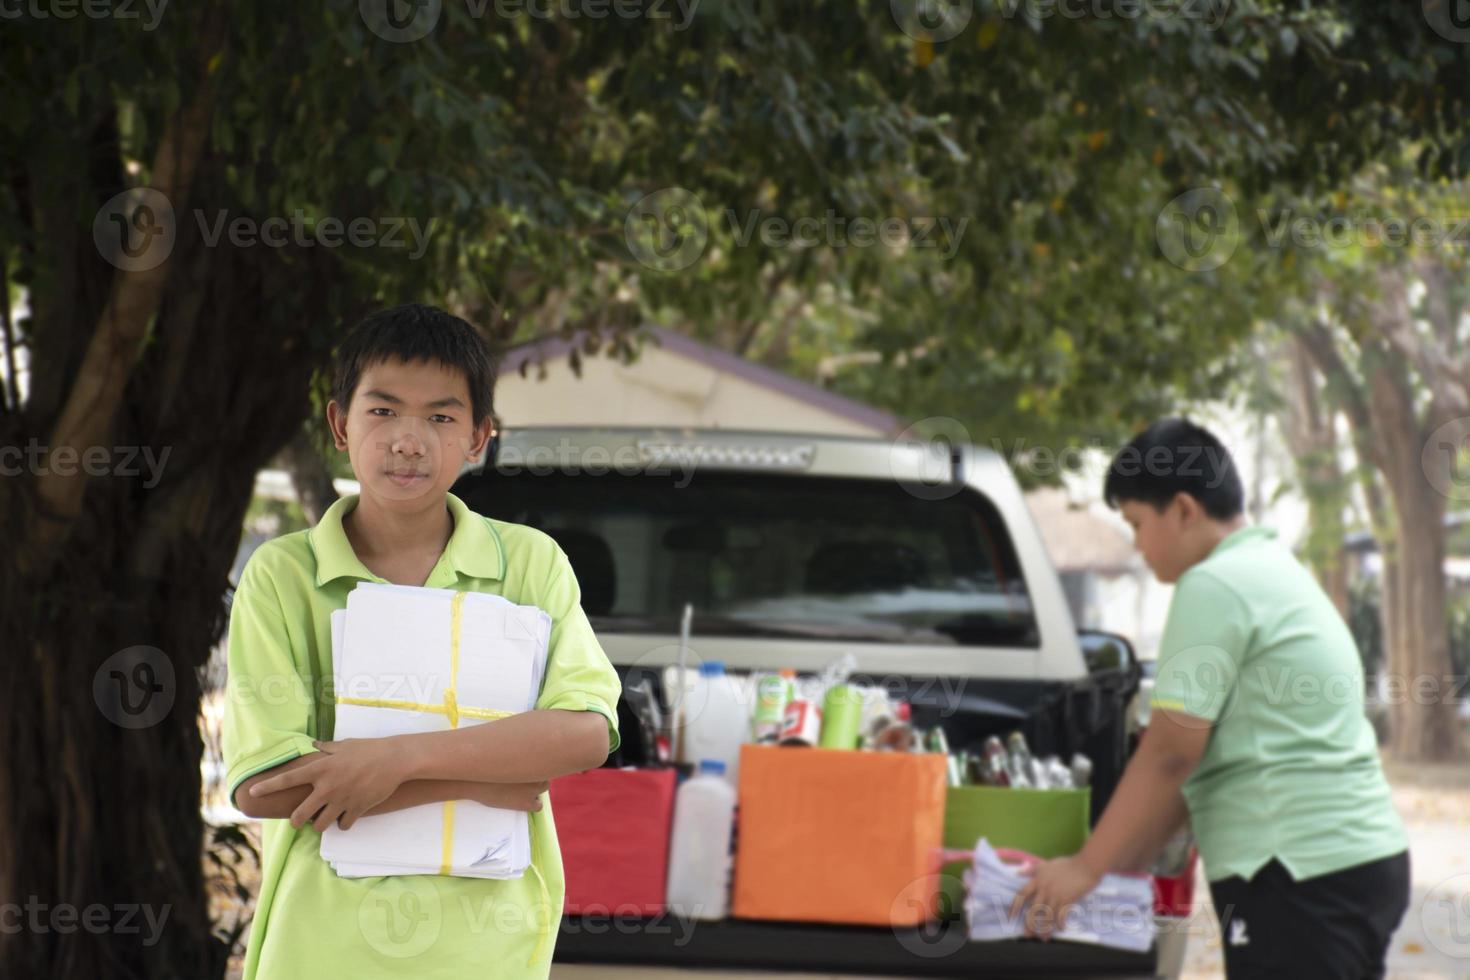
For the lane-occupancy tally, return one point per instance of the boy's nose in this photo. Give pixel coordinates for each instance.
(410, 437)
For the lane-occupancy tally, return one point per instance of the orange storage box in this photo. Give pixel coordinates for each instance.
(839, 836)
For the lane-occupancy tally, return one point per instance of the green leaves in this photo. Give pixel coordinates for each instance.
(1055, 140)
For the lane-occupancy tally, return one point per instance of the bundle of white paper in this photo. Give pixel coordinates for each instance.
(392, 642)
(1117, 913)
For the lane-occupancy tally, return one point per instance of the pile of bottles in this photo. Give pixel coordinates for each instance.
(1011, 764)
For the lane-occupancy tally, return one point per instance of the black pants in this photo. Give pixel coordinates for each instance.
(1336, 926)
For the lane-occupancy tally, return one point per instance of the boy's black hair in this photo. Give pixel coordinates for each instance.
(414, 332)
(1175, 456)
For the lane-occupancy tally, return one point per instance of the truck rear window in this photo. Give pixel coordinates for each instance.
(775, 555)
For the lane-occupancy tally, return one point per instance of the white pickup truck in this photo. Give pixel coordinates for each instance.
(920, 560)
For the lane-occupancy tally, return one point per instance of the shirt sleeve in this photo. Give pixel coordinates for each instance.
(579, 677)
(269, 704)
(1204, 645)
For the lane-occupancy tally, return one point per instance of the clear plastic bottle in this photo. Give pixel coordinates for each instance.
(717, 720)
(699, 848)
(1018, 762)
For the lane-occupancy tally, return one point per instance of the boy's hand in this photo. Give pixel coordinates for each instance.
(1054, 889)
(348, 778)
(513, 796)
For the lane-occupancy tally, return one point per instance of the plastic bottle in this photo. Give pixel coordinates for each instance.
(699, 847)
(717, 721)
(1018, 762)
(773, 693)
(994, 767)
(1081, 770)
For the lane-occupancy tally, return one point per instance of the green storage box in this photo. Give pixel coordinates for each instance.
(1046, 822)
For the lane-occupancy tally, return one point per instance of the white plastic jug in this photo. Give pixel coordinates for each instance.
(699, 848)
(717, 719)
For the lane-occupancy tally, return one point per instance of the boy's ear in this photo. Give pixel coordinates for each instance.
(337, 422)
(484, 433)
(1189, 508)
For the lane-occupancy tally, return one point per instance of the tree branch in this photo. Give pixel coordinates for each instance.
(132, 305)
(1316, 336)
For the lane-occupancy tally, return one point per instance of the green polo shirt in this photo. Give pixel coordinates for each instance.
(309, 923)
(1291, 771)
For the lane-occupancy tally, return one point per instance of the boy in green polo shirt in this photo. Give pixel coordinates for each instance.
(1258, 736)
(411, 405)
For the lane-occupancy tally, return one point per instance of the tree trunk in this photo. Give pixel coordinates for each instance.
(108, 629)
(310, 475)
(1423, 721)
(1383, 407)
(1311, 434)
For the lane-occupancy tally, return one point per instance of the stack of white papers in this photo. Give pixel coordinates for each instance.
(1119, 912)
(392, 644)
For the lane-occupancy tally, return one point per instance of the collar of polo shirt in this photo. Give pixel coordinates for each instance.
(474, 548)
(1241, 535)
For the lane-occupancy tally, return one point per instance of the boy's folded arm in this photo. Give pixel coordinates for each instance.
(528, 747)
(273, 805)
(282, 804)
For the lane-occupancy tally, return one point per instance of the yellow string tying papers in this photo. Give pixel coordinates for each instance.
(451, 710)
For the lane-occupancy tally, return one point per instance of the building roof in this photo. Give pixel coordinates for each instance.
(554, 348)
(1079, 539)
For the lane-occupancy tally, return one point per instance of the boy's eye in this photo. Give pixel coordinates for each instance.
(437, 417)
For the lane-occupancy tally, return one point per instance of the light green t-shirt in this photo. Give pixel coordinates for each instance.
(309, 923)
(1291, 771)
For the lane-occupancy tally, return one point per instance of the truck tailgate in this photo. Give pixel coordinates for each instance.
(937, 951)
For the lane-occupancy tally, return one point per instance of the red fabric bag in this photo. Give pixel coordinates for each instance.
(614, 826)
(1175, 896)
